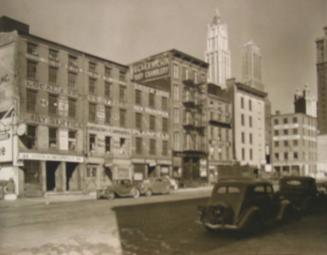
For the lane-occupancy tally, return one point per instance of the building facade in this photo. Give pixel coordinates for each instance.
(248, 123)
(294, 147)
(217, 53)
(322, 82)
(251, 66)
(219, 129)
(67, 117)
(321, 156)
(305, 103)
(183, 77)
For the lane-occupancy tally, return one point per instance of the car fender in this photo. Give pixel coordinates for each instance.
(247, 216)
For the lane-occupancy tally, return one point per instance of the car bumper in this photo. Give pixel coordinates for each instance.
(221, 226)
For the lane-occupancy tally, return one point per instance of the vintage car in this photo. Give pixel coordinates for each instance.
(155, 185)
(122, 188)
(301, 191)
(243, 205)
(322, 187)
(173, 183)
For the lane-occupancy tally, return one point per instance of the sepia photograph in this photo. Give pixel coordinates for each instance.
(163, 127)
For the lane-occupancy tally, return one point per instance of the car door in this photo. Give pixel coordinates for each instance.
(261, 199)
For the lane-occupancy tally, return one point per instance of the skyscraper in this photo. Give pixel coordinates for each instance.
(305, 102)
(217, 53)
(321, 44)
(251, 66)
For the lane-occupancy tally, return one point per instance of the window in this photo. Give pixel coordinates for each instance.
(122, 75)
(276, 132)
(92, 84)
(31, 97)
(107, 113)
(72, 140)
(31, 69)
(295, 155)
(122, 142)
(176, 92)
(285, 120)
(242, 103)
(91, 171)
(222, 190)
(250, 105)
(243, 154)
(251, 154)
(152, 126)
(277, 156)
(164, 148)
(107, 71)
(164, 125)
(250, 138)
(286, 143)
(295, 142)
(122, 117)
(138, 120)
(242, 120)
(151, 100)
(92, 112)
(276, 121)
(286, 155)
(107, 141)
(250, 121)
(72, 79)
(30, 138)
(294, 119)
(138, 97)
(52, 138)
(122, 94)
(259, 189)
(138, 145)
(53, 73)
(92, 142)
(276, 143)
(177, 141)
(71, 107)
(295, 131)
(53, 104)
(32, 49)
(243, 137)
(176, 71)
(285, 131)
(53, 55)
(72, 61)
(152, 147)
(164, 103)
(107, 89)
(92, 67)
(176, 115)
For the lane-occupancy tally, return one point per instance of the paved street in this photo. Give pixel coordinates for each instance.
(143, 226)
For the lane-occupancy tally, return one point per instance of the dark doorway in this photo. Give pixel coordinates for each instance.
(32, 179)
(51, 167)
(70, 169)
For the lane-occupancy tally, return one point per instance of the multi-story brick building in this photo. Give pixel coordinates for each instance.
(219, 114)
(151, 154)
(248, 123)
(183, 76)
(294, 147)
(78, 110)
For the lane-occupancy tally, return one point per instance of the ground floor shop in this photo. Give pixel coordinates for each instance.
(296, 169)
(144, 169)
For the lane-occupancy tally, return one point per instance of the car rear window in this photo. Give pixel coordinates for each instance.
(222, 190)
(293, 183)
(233, 190)
(228, 190)
(259, 189)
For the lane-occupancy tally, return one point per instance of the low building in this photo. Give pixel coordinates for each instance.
(294, 147)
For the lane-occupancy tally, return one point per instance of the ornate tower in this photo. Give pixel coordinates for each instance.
(217, 53)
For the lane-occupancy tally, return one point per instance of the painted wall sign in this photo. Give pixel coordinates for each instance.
(50, 157)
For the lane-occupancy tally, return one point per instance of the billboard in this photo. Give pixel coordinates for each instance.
(6, 142)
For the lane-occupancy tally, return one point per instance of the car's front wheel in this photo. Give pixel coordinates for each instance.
(136, 193)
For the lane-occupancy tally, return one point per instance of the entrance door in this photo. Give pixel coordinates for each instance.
(72, 177)
(32, 179)
(51, 168)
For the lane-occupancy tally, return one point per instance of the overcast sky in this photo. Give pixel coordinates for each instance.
(127, 30)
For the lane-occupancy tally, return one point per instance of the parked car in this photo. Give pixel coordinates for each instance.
(301, 191)
(155, 185)
(322, 187)
(243, 205)
(122, 188)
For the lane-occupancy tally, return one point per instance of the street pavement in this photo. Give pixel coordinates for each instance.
(166, 224)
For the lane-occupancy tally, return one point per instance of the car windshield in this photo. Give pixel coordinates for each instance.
(228, 190)
(293, 183)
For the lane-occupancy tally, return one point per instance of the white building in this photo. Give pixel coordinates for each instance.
(217, 53)
(248, 123)
(251, 65)
(321, 156)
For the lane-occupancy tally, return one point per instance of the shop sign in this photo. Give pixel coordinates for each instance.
(151, 68)
(164, 170)
(138, 176)
(50, 157)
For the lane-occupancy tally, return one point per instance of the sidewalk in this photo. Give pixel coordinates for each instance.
(68, 197)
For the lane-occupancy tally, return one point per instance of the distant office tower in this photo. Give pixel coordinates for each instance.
(305, 103)
(322, 82)
(217, 53)
(251, 66)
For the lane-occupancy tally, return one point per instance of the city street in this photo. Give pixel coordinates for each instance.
(143, 226)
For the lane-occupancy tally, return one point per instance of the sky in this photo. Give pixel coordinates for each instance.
(125, 31)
